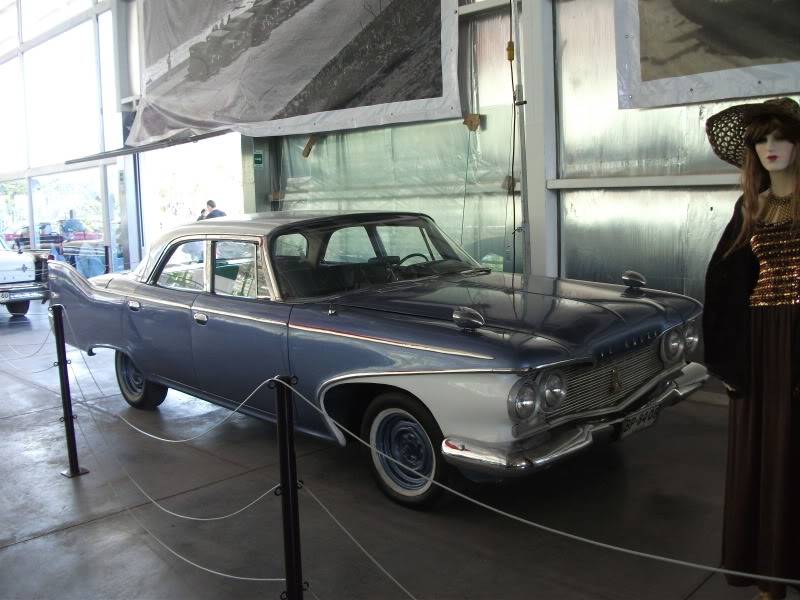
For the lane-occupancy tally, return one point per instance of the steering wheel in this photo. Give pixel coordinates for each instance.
(412, 255)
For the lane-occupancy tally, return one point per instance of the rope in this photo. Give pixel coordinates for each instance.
(542, 527)
(154, 536)
(355, 541)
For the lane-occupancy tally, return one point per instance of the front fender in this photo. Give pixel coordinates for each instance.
(460, 401)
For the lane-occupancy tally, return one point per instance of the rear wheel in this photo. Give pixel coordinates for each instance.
(405, 450)
(137, 391)
(18, 308)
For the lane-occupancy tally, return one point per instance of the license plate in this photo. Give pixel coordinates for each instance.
(641, 419)
(4, 295)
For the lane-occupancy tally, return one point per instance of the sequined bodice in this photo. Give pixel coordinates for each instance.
(777, 248)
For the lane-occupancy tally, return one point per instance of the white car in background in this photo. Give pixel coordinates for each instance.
(23, 277)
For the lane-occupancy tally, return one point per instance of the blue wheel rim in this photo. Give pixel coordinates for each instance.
(400, 436)
(132, 376)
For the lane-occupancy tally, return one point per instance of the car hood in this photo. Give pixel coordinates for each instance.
(581, 316)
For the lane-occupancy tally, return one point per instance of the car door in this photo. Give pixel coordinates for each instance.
(238, 332)
(158, 318)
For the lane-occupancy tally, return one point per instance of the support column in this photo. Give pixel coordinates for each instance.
(538, 126)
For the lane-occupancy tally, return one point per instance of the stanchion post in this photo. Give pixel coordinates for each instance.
(75, 469)
(288, 489)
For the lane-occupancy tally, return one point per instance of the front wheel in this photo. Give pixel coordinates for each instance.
(137, 391)
(405, 450)
(18, 309)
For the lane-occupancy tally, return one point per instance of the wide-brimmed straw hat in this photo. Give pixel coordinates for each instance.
(726, 129)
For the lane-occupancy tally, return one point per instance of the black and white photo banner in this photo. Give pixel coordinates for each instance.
(278, 67)
(672, 52)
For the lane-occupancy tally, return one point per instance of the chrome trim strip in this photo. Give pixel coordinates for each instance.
(241, 316)
(388, 342)
(276, 291)
(158, 301)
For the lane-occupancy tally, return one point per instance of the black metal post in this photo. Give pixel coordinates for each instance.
(289, 487)
(107, 258)
(75, 469)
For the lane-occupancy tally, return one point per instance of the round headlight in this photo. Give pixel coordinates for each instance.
(523, 404)
(553, 390)
(672, 346)
(691, 333)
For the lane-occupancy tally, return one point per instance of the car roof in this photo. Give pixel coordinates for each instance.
(265, 223)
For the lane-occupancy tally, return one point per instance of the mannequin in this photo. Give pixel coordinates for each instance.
(752, 327)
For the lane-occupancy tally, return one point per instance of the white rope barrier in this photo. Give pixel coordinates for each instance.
(89, 408)
(356, 542)
(149, 532)
(542, 527)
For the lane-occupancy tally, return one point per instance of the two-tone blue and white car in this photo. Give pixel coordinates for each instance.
(394, 332)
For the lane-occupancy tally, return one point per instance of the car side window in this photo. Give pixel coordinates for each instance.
(349, 245)
(185, 269)
(238, 270)
(291, 244)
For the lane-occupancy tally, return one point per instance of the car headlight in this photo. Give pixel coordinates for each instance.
(691, 334)
(530, 398)
(672, 346)
(552, 391)
(522, 401)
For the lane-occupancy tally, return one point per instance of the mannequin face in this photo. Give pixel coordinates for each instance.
(775, 152)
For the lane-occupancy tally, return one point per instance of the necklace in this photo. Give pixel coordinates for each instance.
(779, 209)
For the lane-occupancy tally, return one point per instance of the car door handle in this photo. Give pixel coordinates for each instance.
(200, 318)
(134, 305)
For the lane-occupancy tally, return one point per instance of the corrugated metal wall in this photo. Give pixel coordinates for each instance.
(666, 233)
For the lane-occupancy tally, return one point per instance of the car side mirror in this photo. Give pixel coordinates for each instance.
(468, 318)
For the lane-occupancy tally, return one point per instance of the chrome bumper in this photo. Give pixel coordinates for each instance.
(545, 449)
(22, 291)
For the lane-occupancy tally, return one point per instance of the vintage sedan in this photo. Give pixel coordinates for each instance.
(394, 332)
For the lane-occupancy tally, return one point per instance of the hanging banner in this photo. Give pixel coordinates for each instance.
(683, 51)
(278, 67)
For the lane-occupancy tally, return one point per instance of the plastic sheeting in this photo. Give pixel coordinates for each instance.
(442, 169)
(276, 67)
(683, 51)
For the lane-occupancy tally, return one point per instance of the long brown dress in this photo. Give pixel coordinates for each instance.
(762, 493)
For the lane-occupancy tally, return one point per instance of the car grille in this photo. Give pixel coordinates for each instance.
(589, 387)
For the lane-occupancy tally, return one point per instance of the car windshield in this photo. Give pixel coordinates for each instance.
(339, 255)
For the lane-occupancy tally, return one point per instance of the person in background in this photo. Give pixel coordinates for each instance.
(212, 211)
(752, 341)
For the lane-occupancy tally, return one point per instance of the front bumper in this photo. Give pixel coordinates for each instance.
(544, 449)
(19, 292)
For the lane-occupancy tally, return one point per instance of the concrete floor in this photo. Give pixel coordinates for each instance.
(659, 492)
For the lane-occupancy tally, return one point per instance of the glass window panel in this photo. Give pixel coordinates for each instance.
(112, 118)
(40, 15)
(118, 242)
(68, 217)
(177, 182)
(12, 118)
(61, 86)
(185, 269)
(8, 25)
(13, 210)
(235, 269)
(293, 244)
(349, 245)
(407, 242)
